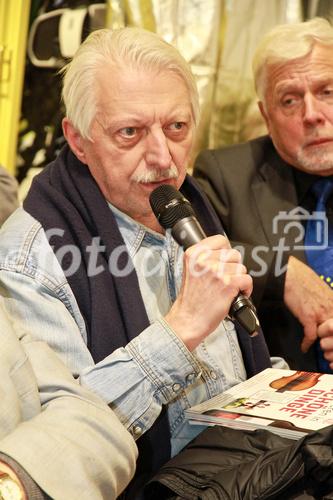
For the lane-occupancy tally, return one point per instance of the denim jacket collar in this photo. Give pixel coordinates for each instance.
(136, 234)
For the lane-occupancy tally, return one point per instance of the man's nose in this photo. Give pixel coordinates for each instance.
(157, 149)
(313, 114)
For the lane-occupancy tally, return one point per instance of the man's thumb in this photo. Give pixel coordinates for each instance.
(310, 336)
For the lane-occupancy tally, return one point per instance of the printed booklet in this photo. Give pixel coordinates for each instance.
(288, 402)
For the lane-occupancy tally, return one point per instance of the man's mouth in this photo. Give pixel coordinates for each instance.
(156, 183)
(319, 141)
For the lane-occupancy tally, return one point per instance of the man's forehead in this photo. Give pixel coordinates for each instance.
(315, 65)
(122, 78)
(141, 95)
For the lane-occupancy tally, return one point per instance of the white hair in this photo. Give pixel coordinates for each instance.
(287, 42)
(134, 47)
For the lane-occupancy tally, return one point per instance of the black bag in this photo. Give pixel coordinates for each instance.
(230, 464)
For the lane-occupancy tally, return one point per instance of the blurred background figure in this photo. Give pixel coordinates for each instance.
(8, 194)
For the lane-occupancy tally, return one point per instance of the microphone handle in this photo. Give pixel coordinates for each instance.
(188, 232)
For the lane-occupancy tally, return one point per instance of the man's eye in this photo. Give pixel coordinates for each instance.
(128, 132)
(327, 92)
(176, 126)
(287, 102)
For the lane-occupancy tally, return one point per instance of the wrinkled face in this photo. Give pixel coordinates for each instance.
(299, 110)
(142, 136)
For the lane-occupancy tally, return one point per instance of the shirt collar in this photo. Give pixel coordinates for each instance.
(136, 234)
(303, 183)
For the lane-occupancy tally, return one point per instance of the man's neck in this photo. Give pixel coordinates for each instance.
(149, 222)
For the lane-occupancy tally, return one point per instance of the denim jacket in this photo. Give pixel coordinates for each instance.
(154, 369)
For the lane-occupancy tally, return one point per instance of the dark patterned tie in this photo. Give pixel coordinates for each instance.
(319, 245)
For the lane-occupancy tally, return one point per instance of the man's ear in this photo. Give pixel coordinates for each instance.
(74, 139)
(264, 114)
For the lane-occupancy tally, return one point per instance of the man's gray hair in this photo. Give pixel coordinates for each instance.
(123, 48)
(287, 42)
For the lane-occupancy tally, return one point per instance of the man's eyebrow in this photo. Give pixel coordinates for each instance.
(286, 86)
(117, 123)
(180, 115)
(323, 80)
(291, 85)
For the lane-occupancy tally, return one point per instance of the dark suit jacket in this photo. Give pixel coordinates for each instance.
(249, 186)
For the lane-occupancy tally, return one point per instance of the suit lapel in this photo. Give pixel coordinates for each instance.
(274, 193)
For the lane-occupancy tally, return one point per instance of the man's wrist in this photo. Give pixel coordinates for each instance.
(11, 487)
(30, 487)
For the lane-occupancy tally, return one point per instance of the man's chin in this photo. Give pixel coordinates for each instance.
(317, 163)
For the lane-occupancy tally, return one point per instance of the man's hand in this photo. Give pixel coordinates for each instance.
(213, 276)
(325, 333)
(308, 298)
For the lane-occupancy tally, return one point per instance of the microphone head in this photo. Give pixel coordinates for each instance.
(169, 205)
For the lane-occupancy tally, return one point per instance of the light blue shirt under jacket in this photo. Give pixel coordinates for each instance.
(155, 368)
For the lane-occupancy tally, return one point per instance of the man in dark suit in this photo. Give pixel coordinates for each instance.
(264, 203)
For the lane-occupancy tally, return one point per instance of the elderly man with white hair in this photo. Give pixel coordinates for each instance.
(88, 265)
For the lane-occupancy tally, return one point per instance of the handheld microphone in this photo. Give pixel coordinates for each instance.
(175, 212)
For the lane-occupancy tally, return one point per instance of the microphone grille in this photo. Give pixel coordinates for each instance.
(169, 205)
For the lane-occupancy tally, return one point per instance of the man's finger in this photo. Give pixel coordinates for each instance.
(310, 336)
(325, 329)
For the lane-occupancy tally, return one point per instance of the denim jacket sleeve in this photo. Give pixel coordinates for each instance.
(136, 380)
